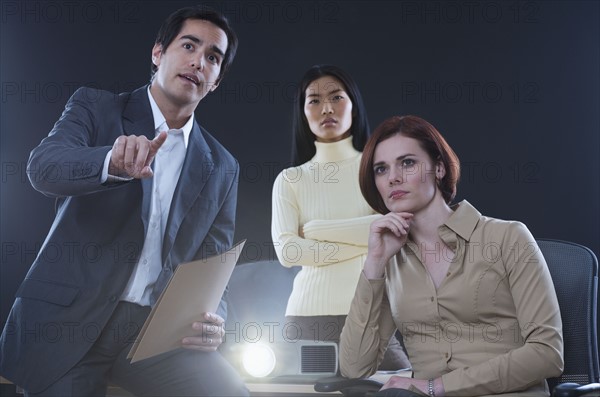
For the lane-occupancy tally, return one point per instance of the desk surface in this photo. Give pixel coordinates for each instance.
(287, 389)
(284, 389)
(271, 389)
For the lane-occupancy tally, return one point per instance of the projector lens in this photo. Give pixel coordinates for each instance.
(258, 360)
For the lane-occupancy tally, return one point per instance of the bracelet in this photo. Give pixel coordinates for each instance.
(430, 388)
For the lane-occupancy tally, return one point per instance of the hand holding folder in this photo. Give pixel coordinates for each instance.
(196, 288)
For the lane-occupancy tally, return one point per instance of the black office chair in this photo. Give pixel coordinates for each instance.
(574, 270)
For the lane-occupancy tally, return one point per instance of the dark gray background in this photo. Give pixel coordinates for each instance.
(513, 86)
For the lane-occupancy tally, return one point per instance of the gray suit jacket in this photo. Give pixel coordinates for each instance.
(97, 235)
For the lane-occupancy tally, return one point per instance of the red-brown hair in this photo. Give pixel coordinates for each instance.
(431, 141)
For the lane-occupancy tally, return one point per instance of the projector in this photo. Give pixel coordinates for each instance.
(297, 360)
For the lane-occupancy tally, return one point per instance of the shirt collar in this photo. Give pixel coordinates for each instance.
(160, 123)
(461, 223)
(463, 220)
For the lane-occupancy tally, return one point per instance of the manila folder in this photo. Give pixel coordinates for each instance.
(195, 288)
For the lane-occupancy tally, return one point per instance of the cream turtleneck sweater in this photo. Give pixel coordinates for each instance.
(321, 222)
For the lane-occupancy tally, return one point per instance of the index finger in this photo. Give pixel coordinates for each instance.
(213, 318)
(158, 141)
(403, 214)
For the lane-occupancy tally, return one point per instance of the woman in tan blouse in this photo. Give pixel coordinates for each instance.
(471, 295)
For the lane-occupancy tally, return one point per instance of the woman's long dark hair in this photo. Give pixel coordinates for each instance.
(303, 146)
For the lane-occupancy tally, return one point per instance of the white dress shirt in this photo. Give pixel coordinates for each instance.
(167, 168)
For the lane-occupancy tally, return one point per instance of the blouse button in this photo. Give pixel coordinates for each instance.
(432, 299)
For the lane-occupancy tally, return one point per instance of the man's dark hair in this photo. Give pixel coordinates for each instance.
(173, 24)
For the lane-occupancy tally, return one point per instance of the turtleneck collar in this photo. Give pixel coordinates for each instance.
(334, 151)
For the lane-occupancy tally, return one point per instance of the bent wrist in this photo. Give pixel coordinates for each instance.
(438, 387)
(374, 270)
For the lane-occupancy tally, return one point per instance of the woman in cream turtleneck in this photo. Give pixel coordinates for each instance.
(320, 219)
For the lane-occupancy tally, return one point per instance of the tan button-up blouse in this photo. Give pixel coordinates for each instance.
(492, 327)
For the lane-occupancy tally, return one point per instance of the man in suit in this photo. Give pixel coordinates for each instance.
(140, 188)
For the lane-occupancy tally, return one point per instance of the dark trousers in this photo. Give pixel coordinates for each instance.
(329, 328)
(176, 373)
(316, 328)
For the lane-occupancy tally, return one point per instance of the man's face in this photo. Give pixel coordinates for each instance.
(189, 68)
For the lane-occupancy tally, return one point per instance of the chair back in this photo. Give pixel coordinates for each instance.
(574, 271)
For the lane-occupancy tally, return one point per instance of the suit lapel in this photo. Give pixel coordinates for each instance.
(138, 120)
(197, 167)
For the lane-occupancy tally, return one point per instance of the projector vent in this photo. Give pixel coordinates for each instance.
(318, 359)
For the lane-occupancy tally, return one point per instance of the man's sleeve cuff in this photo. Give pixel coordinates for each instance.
(106, 177)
